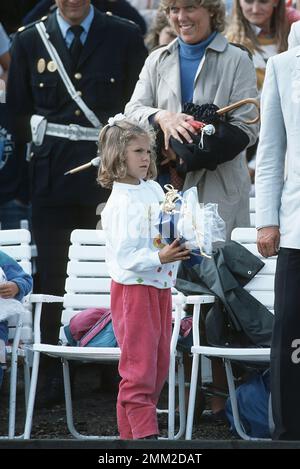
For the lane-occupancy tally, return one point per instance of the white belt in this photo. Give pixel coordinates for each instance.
(72, 132)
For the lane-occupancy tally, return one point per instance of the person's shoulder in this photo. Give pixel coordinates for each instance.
(29, 28)
(238, 51)
(295, 26)
(159, 53)
(5, 260)
(121, 24)
(155, 187)
(152, 183)
(243, 48)
(117, 201)
(285, 59)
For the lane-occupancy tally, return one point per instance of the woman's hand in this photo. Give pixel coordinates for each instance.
(173, 252)
(175, 124)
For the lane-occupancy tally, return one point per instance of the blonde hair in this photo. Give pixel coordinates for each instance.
(240, 29)
(113, 142)
(215, 7)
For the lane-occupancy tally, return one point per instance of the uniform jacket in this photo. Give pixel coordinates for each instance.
(108, 68)
(117, 7)
(225, 76)
(278, 157)
(224, 276)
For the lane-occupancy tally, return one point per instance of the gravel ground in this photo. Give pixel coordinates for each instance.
(94, 412)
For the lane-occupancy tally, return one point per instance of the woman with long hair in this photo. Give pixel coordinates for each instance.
(263, 27)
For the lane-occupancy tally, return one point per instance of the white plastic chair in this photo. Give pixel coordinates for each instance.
(88, 285)
(262, 288)
(16, 243)
(252, 211)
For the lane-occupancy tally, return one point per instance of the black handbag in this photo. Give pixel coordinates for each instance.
(218, 140)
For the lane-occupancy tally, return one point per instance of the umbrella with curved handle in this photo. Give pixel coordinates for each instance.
(232, 106)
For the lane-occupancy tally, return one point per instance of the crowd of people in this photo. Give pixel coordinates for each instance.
(72, 65)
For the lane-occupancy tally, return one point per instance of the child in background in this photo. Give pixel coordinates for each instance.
(14, 284)
(142, 271)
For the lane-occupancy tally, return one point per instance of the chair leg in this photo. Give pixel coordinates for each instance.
(234, 404)
(13, 381)
(13, 393)
(181, 393)
(171, 398)
(31, 397)
(270, 416)
(192, 397)
(68, 400)
(26, 370)
(69, 408)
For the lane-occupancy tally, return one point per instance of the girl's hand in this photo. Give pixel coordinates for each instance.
(8, 290)
(173, 252)
(175, 124)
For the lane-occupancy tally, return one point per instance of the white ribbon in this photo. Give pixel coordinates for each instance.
(117, 118)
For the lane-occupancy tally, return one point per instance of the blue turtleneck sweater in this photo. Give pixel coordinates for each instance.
(190, 56)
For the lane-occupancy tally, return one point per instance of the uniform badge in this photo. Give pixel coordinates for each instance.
(51, 66)
(41, 65)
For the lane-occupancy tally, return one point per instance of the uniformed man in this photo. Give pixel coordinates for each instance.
(102, 56)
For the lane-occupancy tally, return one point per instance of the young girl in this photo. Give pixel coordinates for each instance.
(142, 272)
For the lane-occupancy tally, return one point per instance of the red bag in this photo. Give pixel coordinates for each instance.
(84, 320)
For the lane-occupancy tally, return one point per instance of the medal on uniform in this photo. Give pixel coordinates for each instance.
(41, 65)
(51, 66)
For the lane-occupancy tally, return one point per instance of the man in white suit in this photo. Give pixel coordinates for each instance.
(278, 225)
(294, 36)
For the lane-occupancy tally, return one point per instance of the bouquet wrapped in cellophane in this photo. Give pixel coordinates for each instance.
(196, 225)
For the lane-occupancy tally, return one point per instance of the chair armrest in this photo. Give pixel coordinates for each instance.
(197, 301)
(180, 301)
(41, 298)
(200, 299)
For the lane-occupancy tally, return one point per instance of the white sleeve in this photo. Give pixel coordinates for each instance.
(126, 227)
(271, 151)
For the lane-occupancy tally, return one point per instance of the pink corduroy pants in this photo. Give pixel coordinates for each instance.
(142, 321)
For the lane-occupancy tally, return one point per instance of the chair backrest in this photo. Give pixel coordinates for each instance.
(16, 243)
(88, 282)
(262, 285)
(252, 211)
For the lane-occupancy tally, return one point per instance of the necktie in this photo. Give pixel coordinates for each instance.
(76, 45)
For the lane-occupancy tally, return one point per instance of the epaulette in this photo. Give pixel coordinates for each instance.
(29, 25)
(121, 19)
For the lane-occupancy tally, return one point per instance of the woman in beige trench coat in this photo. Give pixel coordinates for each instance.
(202, 67)
(223, 75)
